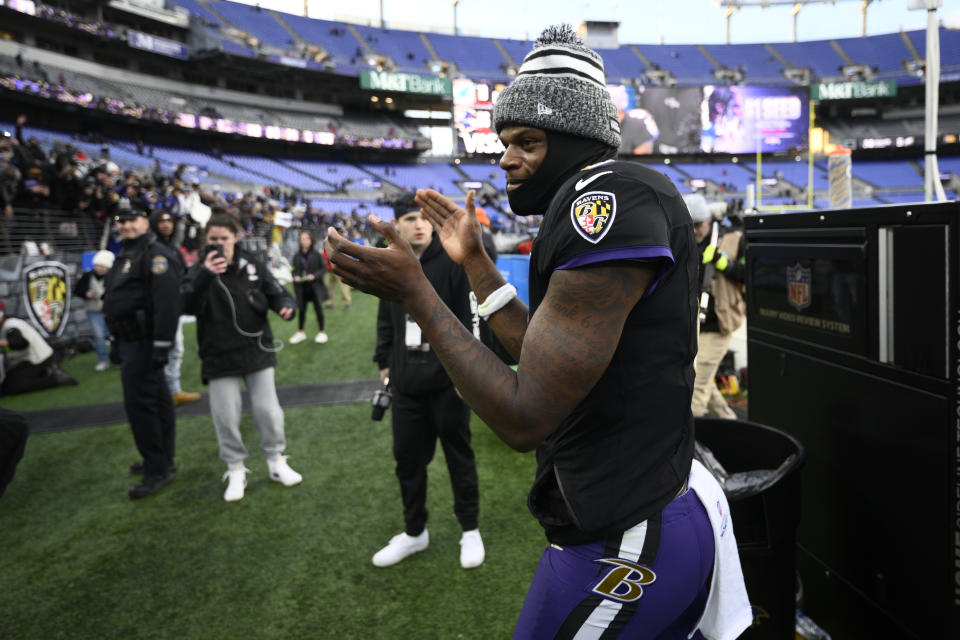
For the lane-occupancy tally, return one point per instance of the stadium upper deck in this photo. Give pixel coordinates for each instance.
(349, 48)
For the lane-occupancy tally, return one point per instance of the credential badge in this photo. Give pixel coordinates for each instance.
(798, 286)
(593, 214)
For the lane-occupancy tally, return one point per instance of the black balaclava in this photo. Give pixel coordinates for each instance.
(566, 155)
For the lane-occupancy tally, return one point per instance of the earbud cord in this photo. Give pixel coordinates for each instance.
(277, 344)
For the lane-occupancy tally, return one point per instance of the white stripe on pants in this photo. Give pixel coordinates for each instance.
(226, 409)
(707, 399)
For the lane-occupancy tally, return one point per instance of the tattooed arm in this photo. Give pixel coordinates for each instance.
(568, 344)
(460, 235)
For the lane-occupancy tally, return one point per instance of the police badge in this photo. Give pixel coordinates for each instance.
(46, 289)
(593, 213)
(798, 286)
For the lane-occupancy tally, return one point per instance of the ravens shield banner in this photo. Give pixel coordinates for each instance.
(46, 289)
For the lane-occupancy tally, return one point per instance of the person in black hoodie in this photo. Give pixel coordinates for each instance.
(308, 270)
(230, 293)
(426, 405)
(163, 224)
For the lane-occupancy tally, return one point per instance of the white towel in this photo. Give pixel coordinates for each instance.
(728, 612)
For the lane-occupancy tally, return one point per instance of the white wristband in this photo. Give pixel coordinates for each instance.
(497, 300)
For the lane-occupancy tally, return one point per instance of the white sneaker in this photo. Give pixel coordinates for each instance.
(102, 366)
(298, 337)
(237, 477)
(280, 471)
(471, 549)
(399, 547)
(321, 338)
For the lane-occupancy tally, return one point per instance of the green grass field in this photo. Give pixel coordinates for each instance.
(81, 560)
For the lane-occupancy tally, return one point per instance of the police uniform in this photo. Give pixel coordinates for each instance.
(610, 483)
(141, 306)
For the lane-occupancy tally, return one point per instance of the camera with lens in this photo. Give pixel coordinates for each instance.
(381, 401)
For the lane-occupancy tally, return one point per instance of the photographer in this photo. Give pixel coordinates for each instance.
(230, 293)
(426, 405)
(726, 309)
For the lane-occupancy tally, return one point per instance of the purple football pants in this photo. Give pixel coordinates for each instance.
(650, 582)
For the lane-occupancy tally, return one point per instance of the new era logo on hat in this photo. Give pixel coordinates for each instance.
(543, 110)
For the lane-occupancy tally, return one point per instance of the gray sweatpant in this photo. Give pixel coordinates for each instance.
(226, 409)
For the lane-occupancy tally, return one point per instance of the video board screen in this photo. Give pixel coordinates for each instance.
(658, 119)
(473, 116)
(747, 119)
(664, 120)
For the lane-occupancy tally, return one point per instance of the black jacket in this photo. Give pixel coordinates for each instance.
(142, 299)
(418, 371)
(248, 287)
(304, 265)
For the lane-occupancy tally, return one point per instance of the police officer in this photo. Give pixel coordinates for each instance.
(141, 306)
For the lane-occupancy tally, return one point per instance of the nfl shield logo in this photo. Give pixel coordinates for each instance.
(46, 290)
(798, 286)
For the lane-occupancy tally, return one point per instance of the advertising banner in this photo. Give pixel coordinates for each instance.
(473, 116)
(853, 90)
(404, 82)
(156, 44)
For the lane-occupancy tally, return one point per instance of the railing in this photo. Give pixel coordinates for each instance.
(49, 231)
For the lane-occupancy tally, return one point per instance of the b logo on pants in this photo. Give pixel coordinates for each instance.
(625, 581)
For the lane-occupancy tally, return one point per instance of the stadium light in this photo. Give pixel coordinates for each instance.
(932, 187)
(455, 4)
(732, 6)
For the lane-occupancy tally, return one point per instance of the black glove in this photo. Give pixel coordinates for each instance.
(158, 360)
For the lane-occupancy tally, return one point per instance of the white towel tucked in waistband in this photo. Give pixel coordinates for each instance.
(727, 613)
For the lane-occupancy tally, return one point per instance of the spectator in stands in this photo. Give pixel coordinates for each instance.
(726, 309)
(9, 186)
(308, 270)
(162, 224)
(231, 292)
(26, 360)
(34, 190)
(65, 188)
(90, 288)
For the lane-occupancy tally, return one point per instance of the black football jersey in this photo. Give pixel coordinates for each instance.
(626, 449)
